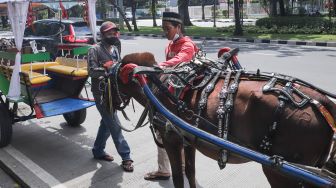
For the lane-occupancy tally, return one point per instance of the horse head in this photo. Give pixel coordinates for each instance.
(127, 85)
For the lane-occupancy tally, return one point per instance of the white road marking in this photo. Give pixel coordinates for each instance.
(33, 167)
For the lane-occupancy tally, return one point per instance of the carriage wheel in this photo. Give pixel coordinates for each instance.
(5, 126)
(75, 118)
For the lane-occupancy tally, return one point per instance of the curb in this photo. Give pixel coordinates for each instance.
(12, 174)
(20, 174)
(249, 40)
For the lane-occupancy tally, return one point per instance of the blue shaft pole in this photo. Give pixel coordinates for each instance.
(242, 151)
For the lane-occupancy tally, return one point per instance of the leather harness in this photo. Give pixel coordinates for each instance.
(226, 98)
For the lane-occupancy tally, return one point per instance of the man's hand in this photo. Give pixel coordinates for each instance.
(108, 64)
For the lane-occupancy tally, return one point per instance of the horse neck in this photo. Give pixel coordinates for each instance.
(134, 90)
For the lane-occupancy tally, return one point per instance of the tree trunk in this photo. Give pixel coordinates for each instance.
(334, 7)
(273, 7)
(214, 13)
(282, 8)
(228, 4)
(184, 12)
(102, 9)
(153, 9)
(203, 5)
(238, 28)
(134, 23)
(121, 12)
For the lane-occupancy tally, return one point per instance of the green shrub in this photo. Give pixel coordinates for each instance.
(281, 30)
(304, 25)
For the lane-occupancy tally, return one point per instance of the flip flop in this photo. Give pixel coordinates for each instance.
(152, 176)
(127, 165)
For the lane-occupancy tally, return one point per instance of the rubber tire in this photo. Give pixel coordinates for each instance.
(74, 119)
(6, 129)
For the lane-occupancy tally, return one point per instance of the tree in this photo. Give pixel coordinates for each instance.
(273, 8)
(184, 12)
(238, 28)
(282, 8)
(153, 11)
(203, 5)
(133, 6)
(101, 8)
(122, 14)
(334, 7)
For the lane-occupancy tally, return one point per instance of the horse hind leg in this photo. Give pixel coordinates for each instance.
(189, 153)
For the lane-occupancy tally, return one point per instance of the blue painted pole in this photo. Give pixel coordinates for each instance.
(283, 166)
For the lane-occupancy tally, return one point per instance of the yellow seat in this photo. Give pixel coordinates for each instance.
(67, 70)
(35, 77)
(37, 65)
(71, 62)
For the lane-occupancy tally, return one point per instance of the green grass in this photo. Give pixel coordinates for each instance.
(212, 32)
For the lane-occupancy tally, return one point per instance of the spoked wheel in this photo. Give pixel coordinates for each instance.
(5, 126)
(74, 119)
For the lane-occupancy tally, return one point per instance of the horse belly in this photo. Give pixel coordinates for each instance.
(210, 150)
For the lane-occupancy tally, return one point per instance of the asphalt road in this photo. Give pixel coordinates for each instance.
(48, 153)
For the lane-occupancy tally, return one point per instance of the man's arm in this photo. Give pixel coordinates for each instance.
(94, 68)
(185, 55)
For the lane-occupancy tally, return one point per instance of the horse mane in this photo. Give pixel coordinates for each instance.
(142, 59)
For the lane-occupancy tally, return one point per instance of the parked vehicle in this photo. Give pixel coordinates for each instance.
(128, 15)
(49, 33)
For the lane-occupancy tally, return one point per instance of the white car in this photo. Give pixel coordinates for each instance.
(128, 15)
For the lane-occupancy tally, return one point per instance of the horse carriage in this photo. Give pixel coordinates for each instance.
(30, 76)
(48, 87)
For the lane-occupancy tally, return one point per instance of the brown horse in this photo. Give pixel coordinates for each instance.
(303, 135)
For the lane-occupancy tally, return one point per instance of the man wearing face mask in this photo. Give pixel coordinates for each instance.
(180, 49)
(101, 58)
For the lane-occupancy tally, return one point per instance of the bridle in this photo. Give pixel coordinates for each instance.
(123, 98)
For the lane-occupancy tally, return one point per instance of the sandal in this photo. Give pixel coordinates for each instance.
(127, 165)
(156, 176)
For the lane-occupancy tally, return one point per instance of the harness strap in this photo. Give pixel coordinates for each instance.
(326, 114)
(220, 115)
(204, 96)
(228, 107)
(222, 96)
(155, 139)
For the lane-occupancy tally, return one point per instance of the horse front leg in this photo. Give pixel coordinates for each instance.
(189, 154)
(173, 145)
